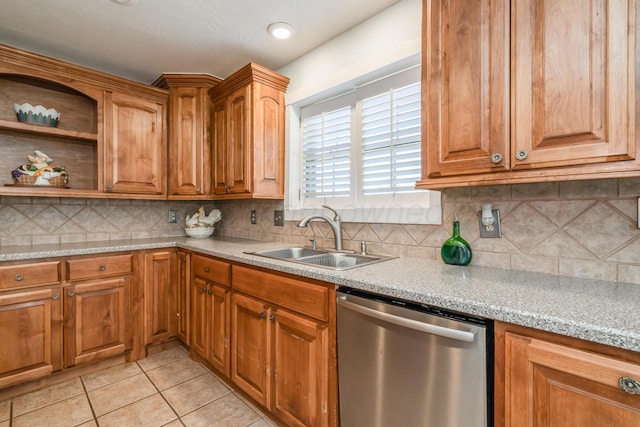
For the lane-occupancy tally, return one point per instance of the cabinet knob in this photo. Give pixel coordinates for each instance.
(206, 269)
(55, 296)
(496, 158)
(102, 268)
(209, 291)
(109, 186)
(18, 277)
(629, 385)
(272, 318)
(521, 154)
(198, 189)
(71, 293)
(204, 289)
(263, 315)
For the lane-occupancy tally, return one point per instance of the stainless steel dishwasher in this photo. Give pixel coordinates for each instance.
(406, 364)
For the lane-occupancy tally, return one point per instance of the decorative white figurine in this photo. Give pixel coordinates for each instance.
(200, 224)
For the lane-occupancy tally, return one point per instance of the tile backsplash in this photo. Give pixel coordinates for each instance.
(44, 220)
(581, 229)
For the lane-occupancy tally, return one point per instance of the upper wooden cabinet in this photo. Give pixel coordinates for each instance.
(135, 147)
(247, 132)
(527, 91)
(110, 138)
(190, 155)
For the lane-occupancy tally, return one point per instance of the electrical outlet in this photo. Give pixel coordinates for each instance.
(254, 217)
(172, 216)
(278, 218)
(493, 230)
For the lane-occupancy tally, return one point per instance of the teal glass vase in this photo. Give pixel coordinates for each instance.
(456, 250)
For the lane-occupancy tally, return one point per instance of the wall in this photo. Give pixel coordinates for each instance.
(580, 229)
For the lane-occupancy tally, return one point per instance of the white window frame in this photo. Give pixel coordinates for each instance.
(420, 207)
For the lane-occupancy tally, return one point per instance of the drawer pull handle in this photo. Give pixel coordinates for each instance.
(102, 268)
(198, 189)
(630, 385)
(263, 315)
(19, 277)
(496, 158)
(109, 186)
(206, 269)
(56, 296)
(71, 293)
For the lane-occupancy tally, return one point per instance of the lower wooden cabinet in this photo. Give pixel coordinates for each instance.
(160, 295)
(210, 297)
(31, 334)
(97, 308)
(280, 353)
(543, 379)
(96, 320)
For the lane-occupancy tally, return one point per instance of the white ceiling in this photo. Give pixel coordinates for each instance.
(144, 38)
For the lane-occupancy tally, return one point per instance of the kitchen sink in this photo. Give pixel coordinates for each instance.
(321, 257)
(288, 253)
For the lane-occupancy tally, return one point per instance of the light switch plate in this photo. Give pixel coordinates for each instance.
(278, 218)
(172, 217)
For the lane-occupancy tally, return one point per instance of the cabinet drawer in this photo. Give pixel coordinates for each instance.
(303, 297)
(211, 269)
(96, 267)
(33, 274)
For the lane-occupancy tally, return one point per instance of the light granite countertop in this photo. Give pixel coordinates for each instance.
(594, 310)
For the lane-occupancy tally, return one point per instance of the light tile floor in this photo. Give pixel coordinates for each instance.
(165, 389)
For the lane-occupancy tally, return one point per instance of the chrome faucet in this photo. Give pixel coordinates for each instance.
(335, 224)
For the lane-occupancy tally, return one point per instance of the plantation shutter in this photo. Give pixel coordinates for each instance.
(391, 141)
(326, 146)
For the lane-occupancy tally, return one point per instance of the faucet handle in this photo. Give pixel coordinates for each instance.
(313, 243)
(337, 216)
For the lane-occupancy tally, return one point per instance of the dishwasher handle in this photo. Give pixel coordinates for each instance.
(408, 323)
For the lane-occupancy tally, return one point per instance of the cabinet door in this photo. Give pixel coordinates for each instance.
(232, 135)
(134, 145)
(189, 155)
(159, 298)
(31, 335)
(300, 356)
(183, 272)
(574, 82)
(200, 328)
(465, 87)
(95, 320)
(549, 384)
(221, 164)
(220, 306)
(268, 142)
(250, 334)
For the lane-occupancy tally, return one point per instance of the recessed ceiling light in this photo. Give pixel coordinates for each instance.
(280, 30)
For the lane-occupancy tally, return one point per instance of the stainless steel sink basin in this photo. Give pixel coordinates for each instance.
(321, 257)
(288, 253)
